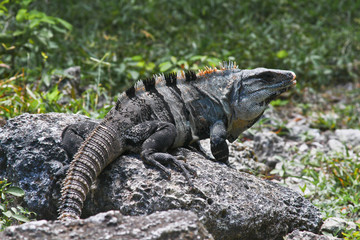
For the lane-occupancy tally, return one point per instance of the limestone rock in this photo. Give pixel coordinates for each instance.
(31, 154)
(230, 204)
(350, 137)
(267, 146)
(336, 226)
(304, 235)
(336, 145)
(173, 224)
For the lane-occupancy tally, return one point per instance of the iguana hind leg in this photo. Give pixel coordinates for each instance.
(74, 135)
(71, 139)
(155, 138)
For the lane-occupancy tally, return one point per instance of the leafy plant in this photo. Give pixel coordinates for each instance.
(335, 180)
(27, 36)
(352, 234)
(9, 214)
(325, 122)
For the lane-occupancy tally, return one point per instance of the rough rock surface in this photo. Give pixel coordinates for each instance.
(31, 154)
(231, 204)
(304, 235)
(174, 224)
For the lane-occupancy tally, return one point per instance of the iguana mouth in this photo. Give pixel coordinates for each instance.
(290, 85)
(280, 91)
(294, 78)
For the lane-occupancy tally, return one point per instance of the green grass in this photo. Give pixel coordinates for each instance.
(320, 42)
(336, 183)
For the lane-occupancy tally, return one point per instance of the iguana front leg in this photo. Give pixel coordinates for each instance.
(155, 138)
(219, 147)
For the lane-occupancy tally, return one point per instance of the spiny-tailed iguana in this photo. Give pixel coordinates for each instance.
(169, 111)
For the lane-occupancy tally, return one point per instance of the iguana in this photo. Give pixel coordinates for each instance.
(168, 111)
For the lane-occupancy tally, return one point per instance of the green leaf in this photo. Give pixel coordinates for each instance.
(279, 102)
(140, 64)
(8, 214)
(46, 79)
(198, 57)
(33, 14)
(20, 218)
(165, 66)
(134, 74)
(282, 54)
(213, 61)
(150, 66)
(136, 58)
(22, 15)
(15, 191)
(66, 24)
(25, 3)
(52, 96)
(173, 59)
(31, 93)
(34, 23)
(14, 210)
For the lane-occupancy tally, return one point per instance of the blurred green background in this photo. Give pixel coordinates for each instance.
(117, 42)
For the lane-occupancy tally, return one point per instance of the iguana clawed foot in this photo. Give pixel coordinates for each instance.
(198, 148)
(159, 159)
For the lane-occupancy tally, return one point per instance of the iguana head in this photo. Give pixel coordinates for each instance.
(252, 90)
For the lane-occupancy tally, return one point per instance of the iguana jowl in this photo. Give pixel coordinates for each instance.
(169, 111)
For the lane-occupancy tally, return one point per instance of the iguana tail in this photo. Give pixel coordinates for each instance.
(96, 152)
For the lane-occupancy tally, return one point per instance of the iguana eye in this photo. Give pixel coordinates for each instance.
(266, 76)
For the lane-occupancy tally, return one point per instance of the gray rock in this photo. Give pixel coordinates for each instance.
(303, 147)
(31, 154)
(336, 145)
(267, 146)
(299, 131)
(336, 226)
(241, 157)
(350, 136)
(305, 235)
(173, 224)
(231, 204)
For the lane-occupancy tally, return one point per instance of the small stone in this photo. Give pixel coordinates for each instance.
(303, 147)
(304, 235)
(349, 136)
(336, 226)
(336, 145)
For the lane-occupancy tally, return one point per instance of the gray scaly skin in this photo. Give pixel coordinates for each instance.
(165, 112)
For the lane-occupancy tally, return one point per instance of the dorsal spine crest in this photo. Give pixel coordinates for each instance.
(149, 84)
(170, 79)
(130, 92)
(228, 65)
(190, 76)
